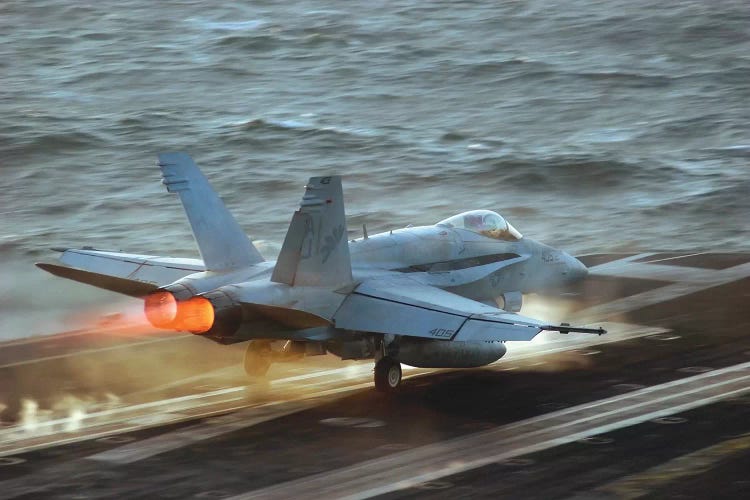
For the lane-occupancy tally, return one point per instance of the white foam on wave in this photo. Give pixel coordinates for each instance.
(606, 135)
(206, 24)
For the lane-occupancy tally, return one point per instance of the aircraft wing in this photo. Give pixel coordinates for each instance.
(402, 306)
(129, 274)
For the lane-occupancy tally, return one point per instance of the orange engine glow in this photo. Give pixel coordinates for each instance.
(161, 309)
(195, 315)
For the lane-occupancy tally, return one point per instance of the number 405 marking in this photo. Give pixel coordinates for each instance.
(442, 333)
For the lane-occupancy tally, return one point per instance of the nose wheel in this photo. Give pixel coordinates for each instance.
(387, 374)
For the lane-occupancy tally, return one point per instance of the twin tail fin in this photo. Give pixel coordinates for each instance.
(316, 250)
(222, 242)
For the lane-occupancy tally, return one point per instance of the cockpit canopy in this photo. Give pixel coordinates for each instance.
(484, 222)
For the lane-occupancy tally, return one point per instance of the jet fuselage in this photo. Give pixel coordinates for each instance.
(466, 263)
(426, 296)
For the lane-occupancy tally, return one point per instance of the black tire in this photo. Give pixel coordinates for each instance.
(387, 375)
(257, 359)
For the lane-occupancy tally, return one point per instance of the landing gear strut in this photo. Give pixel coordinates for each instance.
(258, 358)
(387, 374)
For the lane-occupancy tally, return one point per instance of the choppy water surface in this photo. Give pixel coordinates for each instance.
(590, 125)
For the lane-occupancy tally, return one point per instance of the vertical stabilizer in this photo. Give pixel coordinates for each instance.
(316, 250)
(222, 243)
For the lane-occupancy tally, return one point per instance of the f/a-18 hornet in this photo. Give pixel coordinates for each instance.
(425, 296)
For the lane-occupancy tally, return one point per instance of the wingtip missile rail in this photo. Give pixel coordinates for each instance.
(566, 328)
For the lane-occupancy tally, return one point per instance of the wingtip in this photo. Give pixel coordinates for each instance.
(50, 268)
(171, 157)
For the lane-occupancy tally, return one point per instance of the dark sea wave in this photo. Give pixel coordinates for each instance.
(728, 203)
(577, 172)
(572, 118)
(249, 43)
(48, 144)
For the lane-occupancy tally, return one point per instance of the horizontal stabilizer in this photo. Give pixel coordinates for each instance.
(222, 242)
(146, 268)
(120, 285)
(125, 273)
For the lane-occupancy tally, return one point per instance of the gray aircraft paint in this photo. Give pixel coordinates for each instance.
(430, 285)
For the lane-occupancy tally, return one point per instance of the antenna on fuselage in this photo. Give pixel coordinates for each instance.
(364, 231)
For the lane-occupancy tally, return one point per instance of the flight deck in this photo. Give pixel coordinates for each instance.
(659, 407)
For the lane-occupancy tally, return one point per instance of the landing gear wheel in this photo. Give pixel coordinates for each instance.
(387, 375)
(258, 359)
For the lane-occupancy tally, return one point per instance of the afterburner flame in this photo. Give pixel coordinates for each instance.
(195, 315)
(161, 309)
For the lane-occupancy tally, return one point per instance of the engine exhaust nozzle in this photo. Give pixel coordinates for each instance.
(163, 310)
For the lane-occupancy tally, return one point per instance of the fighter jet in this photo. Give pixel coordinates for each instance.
(439, 296)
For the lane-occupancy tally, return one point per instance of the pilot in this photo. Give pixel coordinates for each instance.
(494, 228)
(473, 222)
(488, 224)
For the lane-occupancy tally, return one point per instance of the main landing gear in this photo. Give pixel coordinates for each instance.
(258, 357)
(261, 353)
(387, 374)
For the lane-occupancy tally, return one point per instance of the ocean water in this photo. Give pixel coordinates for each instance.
(591, 125)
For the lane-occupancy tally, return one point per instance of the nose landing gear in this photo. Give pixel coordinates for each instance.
(387, 374)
